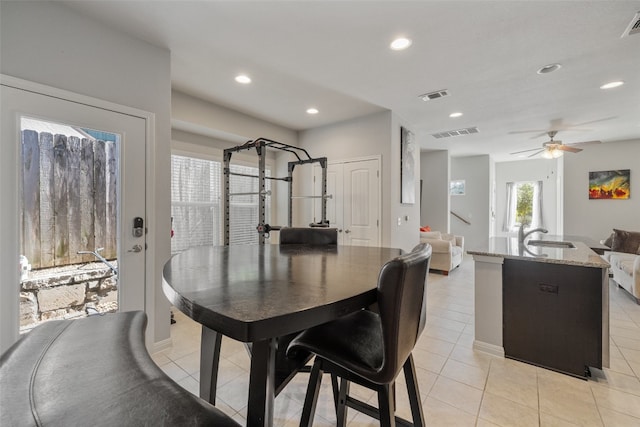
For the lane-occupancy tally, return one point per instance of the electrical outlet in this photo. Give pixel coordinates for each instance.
(399, 221)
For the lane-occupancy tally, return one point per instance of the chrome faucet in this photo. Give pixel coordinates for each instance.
(522, 235)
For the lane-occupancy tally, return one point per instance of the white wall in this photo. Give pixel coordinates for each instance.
(475, 204)
(199, 116)
(597, 218)
(50, 44)
(544, 170)
(434, 172)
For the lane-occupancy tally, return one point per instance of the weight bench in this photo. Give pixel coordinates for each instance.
(94, 371)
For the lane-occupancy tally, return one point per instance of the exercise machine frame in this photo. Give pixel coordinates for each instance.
(261, 145)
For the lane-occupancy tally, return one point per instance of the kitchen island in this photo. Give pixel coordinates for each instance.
(544, 302)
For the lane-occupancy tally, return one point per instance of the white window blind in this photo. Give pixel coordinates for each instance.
(196, 203)
(243, 210)
(196, 189)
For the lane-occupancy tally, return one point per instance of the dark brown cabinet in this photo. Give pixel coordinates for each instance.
(552, 315)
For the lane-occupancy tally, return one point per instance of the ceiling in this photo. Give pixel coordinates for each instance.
(335, 56)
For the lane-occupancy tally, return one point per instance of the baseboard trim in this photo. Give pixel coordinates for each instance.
(160, 346)
(491, 349)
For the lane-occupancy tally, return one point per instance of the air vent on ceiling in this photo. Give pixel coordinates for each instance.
(434, 95)
(458, 132)
(633, 27)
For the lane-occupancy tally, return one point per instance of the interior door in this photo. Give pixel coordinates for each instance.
(361, 203)
(354, 207)
(130, 155)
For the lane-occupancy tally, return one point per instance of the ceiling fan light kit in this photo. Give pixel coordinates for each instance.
(552, 153)
(553, 149)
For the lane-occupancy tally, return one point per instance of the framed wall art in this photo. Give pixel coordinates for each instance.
(407, 167)
(613, 184)
(456, 187)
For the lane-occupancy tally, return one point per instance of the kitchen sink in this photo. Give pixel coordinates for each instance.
(551, 243)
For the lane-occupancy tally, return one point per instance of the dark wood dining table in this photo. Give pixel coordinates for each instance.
(258, 294)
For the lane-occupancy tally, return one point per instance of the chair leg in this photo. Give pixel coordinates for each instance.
(336, 390)
(413, 392)
(311, 398)
(341, 410)
(386, 406)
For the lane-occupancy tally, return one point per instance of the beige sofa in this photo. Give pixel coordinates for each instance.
(448, 250)
(625, 269)
(624, 259)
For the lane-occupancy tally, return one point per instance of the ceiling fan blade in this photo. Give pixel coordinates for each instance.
(524, 151)
(536, 153)
(580, 144)
(568, 148)
(516, 132)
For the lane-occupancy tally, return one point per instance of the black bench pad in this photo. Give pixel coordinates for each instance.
(94, 372)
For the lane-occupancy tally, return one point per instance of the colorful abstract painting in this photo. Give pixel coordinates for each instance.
(610, 184)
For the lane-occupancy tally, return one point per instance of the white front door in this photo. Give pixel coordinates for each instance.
(354, 207)
(130, 155)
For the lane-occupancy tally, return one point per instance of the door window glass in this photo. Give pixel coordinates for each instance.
(68, 247)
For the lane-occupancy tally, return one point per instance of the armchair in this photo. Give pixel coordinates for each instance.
(448, 250)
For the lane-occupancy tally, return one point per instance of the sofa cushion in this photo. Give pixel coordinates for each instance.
(431, 234)
(626, 241)
(626, 266)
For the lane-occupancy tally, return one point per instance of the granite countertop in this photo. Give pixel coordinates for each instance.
(508, 247)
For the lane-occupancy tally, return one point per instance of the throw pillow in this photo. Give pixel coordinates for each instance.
(609, 240)
(625, 241)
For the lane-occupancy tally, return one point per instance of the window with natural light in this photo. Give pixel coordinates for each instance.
(197, 198)
(524, 205)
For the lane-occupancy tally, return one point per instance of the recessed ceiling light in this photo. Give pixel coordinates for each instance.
(244, 79)
(549, 68)
(454, 115)
(611, 85)
(400, 43)
(312, 110)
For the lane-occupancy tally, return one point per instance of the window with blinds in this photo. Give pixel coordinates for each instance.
(196, 203)
(243, 209)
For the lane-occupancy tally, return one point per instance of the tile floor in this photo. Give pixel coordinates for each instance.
(458, 386)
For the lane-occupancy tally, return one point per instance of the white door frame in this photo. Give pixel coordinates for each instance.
(10, 188)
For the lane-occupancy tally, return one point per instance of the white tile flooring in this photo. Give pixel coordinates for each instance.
(458, 386)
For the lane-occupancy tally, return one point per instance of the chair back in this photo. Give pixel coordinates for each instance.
(402, 305)
(309, 236)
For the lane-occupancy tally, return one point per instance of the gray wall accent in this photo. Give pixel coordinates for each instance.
(597, 218)
(48, 43)
(529, 170)
(475, 205)
(434, 172)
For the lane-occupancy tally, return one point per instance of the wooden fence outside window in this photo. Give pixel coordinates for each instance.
(69, 198)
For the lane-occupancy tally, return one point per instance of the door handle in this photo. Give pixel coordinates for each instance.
(339, 230)
(135, 248)
(347, 231)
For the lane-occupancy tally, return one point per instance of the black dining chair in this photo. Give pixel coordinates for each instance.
(310, 236)
(315, 236)
(370, 348)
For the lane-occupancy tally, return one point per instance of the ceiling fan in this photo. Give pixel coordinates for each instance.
(553, 149)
